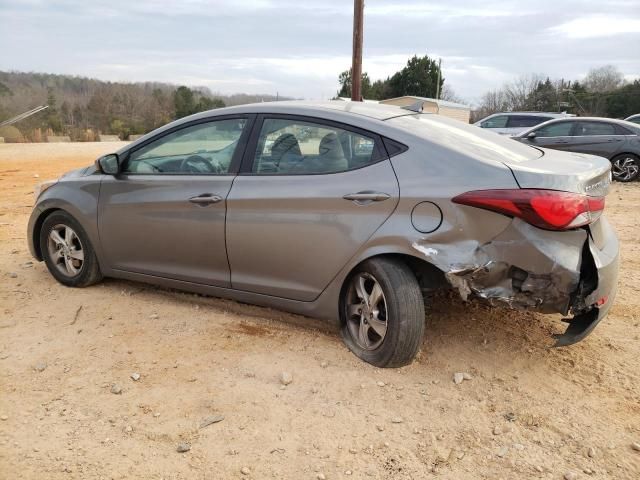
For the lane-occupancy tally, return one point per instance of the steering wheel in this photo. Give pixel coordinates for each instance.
(190, 163)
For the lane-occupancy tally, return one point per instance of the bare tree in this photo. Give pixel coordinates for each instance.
(493, 101)
(520, 92)
(603, 79)
(449, 94)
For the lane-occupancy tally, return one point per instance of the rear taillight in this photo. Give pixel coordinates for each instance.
(548, 209)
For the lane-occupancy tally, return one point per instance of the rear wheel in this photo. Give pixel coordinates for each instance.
(67, 251)
(625, 167)
(382, 313)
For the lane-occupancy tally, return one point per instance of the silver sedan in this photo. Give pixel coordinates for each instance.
(352, 212)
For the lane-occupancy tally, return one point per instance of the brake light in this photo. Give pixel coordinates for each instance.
(548, 209)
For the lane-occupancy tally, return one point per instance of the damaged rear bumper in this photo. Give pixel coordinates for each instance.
(590, 308)
(572, 272)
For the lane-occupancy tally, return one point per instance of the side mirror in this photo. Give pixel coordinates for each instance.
(109, 164)
(531, 136)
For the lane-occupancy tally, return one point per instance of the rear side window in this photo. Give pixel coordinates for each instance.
(296, 147)
(594, 128)
(499, 121)
(560, 129)
(519, 121)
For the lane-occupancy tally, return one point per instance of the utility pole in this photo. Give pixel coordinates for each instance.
(438, 84)
(356, 63)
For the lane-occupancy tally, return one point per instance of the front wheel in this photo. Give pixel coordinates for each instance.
(67, 251)
(382, 313)
(625, 167)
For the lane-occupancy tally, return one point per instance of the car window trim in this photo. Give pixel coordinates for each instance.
(571, 130)
(540, 118)
(236, 160)
(599, 135)
(493, 117)
(249, 157)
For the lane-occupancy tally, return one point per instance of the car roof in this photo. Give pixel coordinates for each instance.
(551, 114)
(368, 109)
(628, 125)
(588, 119)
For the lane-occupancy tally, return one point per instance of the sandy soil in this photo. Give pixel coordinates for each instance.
(529, 411)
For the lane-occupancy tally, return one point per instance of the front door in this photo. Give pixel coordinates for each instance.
(555, 135)
(312, 195)
(164, 215)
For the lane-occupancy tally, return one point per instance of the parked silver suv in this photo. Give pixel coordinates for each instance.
(514, 123)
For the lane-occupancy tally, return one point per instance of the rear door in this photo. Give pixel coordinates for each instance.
(310, 194)
(556, 135)
(597, 138)
(164, 215)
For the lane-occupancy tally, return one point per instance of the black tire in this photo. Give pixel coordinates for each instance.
(404, 313)
(625, 167)
(88, 270)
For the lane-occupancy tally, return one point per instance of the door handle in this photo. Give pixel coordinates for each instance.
(366, 197)
(205, 199)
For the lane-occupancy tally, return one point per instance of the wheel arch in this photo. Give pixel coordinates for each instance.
(429, 277)
(613, 157)
(37, 228)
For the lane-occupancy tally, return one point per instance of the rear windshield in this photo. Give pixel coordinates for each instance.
(467, 139)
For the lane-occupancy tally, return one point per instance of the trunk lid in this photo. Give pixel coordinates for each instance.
(566, 171)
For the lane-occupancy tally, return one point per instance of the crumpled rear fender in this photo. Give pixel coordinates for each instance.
(523, 266)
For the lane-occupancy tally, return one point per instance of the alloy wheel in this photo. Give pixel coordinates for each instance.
(65, 250)
(366, 311)
(625, 168)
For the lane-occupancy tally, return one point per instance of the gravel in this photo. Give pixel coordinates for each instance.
(286, 378)
(40, 366)
(183, 447)
(210, 420)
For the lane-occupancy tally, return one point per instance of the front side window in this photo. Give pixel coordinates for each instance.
(202, 149)
(594, 128)
(560, 129)
(296, 147)
(499, 121)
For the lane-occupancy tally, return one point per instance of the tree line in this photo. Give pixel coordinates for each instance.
(81, 107)
(602, 93)
(421, 77)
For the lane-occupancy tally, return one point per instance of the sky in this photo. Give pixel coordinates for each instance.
(298, 48)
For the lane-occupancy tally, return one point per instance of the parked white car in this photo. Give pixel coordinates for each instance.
(514, 123)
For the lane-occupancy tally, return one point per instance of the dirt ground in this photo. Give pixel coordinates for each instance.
(529, 411)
